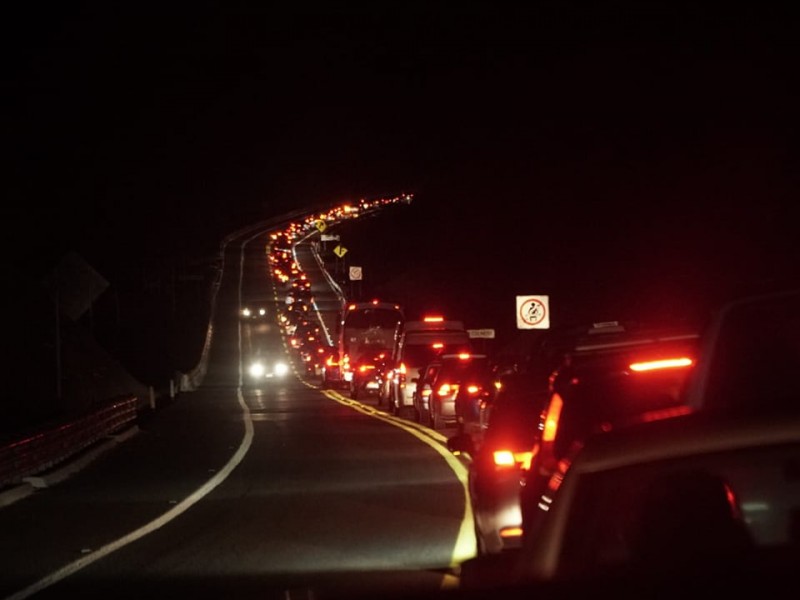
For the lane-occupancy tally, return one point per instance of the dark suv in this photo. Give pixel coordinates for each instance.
(573, 383)
(614, 375)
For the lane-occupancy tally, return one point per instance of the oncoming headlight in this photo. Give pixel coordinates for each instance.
(257, 370)
(281, 369)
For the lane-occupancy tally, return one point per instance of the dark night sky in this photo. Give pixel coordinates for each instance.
(639, 157)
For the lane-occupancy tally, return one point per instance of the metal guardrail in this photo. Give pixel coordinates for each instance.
(50, 445)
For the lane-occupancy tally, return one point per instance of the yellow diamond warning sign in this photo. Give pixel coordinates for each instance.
(340, 251)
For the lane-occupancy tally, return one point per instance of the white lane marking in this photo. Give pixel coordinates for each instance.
(174, 512)
(168, 516)
(466, 545)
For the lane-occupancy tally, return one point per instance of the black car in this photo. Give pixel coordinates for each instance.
(614, 375)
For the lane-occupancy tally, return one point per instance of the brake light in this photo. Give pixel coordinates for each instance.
(666, 363)
(503, 458)
(473, 389)
(437, 345)
(402, 369)
(464, 356)
(426, 392)
(446, 389)
(552, 417)
(510, 532)
(435, 319)
(365, 368)
(507, 459)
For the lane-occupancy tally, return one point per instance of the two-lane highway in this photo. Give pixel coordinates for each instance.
(266, 490)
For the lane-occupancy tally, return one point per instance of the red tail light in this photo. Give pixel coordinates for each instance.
(510, 532)
(506, 459)
(473, 389)
(503, 458)
(433, 319)
(447, 389)
(437, 345)
(464, 356)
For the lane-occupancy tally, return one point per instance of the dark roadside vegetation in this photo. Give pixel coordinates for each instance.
(148, 323)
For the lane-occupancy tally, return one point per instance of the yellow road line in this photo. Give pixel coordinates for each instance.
(466, 545)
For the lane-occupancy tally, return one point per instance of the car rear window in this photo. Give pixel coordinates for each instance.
(656, 512)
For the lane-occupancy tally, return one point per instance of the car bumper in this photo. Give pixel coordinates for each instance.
(497, 511)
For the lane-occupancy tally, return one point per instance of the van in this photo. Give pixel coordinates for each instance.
(420, 343)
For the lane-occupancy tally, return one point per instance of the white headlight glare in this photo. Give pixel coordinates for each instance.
(281, 369)
(257, 370)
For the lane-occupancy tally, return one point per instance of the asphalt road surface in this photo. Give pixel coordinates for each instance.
(280, 489)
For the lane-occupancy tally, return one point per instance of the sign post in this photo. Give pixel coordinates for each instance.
(356, 274)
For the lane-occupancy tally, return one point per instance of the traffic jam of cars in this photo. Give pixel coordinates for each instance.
(610, 448)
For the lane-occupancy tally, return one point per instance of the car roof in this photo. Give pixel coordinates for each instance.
(675, 437)
(699, 435)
